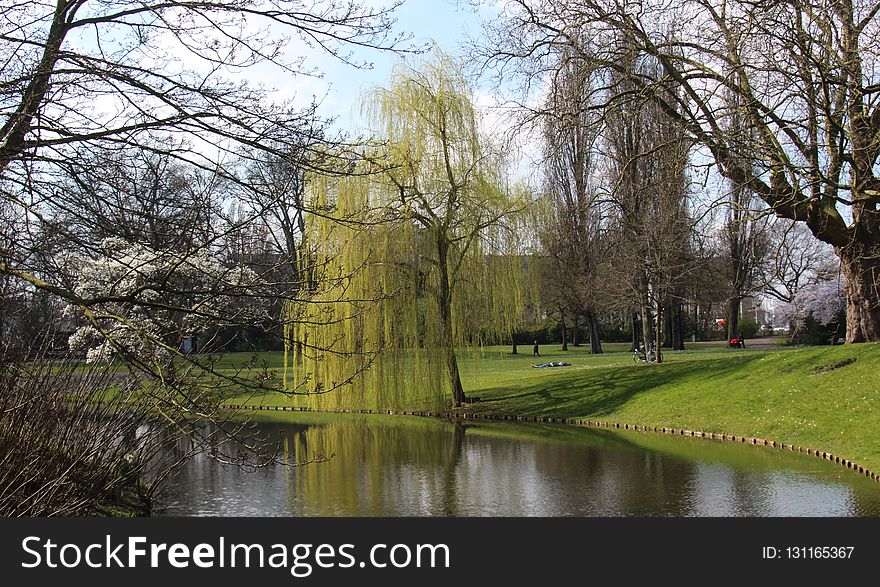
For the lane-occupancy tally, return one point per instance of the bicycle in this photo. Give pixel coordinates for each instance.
(639, 355)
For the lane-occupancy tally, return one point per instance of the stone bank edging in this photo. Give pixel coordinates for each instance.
(582, 422)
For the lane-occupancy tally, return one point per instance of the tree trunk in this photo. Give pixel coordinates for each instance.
(595, 341)
(448, 351)
(677, 327)
(13, 140)
(513, 352)
(447, 343)
(564, 331)
(861, 270)
(575, 340)
(635, 332)
(658, 322)
(646, 327)
(733, 318)
(667, 326)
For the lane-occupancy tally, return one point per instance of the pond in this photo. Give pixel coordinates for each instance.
(408, 466)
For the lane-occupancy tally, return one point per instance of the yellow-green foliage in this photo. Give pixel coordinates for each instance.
(356, 445)
(374, 239)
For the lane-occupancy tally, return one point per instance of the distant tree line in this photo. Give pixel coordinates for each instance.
(698, 155)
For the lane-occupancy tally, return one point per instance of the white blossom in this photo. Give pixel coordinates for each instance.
(155, 299)
(824, 301)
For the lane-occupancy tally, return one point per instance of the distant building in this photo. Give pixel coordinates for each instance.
(757, 309)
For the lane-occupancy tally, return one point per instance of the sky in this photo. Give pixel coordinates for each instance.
(447, 23)
(429, 21)
(341, 85)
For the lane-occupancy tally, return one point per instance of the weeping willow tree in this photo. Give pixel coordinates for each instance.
(421, 248)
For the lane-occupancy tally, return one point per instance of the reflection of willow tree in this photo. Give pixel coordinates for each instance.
(450, 480)
(424, 235)
(358, 480)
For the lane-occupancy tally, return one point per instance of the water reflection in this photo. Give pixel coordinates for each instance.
(419, 467)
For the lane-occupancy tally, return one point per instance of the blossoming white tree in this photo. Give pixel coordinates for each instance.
(823, 302)
(168, 297)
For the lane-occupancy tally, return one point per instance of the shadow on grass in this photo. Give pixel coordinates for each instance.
(602, 391)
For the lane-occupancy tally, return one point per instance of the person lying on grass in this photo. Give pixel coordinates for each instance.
(552, 364)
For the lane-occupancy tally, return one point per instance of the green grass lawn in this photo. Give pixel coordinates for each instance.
(821, 397)
(826, 398)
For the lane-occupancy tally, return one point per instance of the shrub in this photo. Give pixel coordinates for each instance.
(72, 442)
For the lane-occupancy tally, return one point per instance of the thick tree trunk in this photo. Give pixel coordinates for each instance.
(575, 339)
(733, 317)
(595, 341)
(859, 251)
(677, 327)
(861, 270)
(448, 350)
(14, 134)
(447, 343)
(513, 352)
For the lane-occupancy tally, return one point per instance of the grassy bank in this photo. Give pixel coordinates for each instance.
(822, 397)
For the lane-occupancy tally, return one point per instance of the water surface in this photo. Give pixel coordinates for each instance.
(400, 466)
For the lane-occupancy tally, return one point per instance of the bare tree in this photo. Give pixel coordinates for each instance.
(123, 129)
(648, 158)
(804, 73)
(800, 259)
(112, 115)
(85, 82)
(574, 238)
(746, 248)
(274, 193)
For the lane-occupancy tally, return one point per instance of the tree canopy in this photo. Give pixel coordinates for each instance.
(427, 230)
(800, 75)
